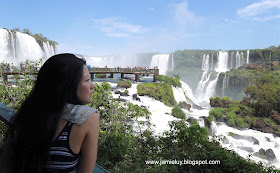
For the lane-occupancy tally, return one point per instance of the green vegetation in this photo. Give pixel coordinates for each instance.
(191, 58)
(124, 84)
(100, 75)
(160, 91)
(218, 113)
(194, 122)
(241, 114)
(211, 118)
(40, 38)
(124, 148)
(126, 91)
(264, 95)
(175, 81)
(178, 113)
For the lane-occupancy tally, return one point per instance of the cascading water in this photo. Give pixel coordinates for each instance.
(172, 63)
(225, 84)
(206, 88)
(48, 49)
(242, 59)
(247, 60)
(231, 60)
(237, 60)
(222, 65)
(200, 90)
(18, 47)
(161, 61)
(246, 142)
(212, 62)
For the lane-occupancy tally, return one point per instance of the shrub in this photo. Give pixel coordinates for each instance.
(269, 121)
(124, 84)
(126, 91)
(160, 91)
(194, 122)
(100, 75)
(170, 80)
(240, 122)
(210, 118)
(230, 115)
(231, 122)
(218, 113)
(178, 113)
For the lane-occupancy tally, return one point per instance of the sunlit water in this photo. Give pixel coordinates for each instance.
(161, 116)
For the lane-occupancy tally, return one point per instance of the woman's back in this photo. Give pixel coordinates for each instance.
(72, 136)
(62, 80)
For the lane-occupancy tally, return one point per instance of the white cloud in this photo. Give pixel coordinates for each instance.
(185, 20)
(117, 27)
(264, 10)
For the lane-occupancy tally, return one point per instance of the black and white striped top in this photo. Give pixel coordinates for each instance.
(62, 158)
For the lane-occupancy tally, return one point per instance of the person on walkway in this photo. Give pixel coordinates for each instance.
(53, 131)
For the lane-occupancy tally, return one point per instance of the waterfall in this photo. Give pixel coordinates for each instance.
(231, 58)
(224, 85)
(222, 65)
(160, 61)
(48, 49)
(237, 60)
(210, 90)
(206, 88)
(200, 89)
(212, 62)
(18, 47)
(242, 59)
(205, 63)
(172, 63)
(247, 60)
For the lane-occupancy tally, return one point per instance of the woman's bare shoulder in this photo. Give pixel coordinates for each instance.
(92, 120)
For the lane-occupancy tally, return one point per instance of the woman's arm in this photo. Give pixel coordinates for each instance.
(89, 146)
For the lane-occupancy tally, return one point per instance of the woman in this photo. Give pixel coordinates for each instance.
(53, 131)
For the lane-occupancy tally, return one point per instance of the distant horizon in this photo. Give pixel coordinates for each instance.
(116, 27)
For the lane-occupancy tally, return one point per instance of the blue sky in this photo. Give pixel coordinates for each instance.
(104, 27)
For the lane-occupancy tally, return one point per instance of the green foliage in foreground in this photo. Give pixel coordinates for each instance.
(178, 113)
(124, 148)
(175, 81)
(160, 91)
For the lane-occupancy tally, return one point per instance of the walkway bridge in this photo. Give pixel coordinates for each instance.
(136, 71)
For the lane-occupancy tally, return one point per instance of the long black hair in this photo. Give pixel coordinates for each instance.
(27, 142)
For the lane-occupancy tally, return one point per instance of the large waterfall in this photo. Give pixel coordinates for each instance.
(206, 87)
(161, 61)
(16, 47)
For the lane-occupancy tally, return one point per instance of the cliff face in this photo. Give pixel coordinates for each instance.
(233, 82)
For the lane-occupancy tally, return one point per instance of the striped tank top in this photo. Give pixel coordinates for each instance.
(62, 159)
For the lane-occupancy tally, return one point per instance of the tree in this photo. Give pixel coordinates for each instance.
(16, 29)
(27, 31)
